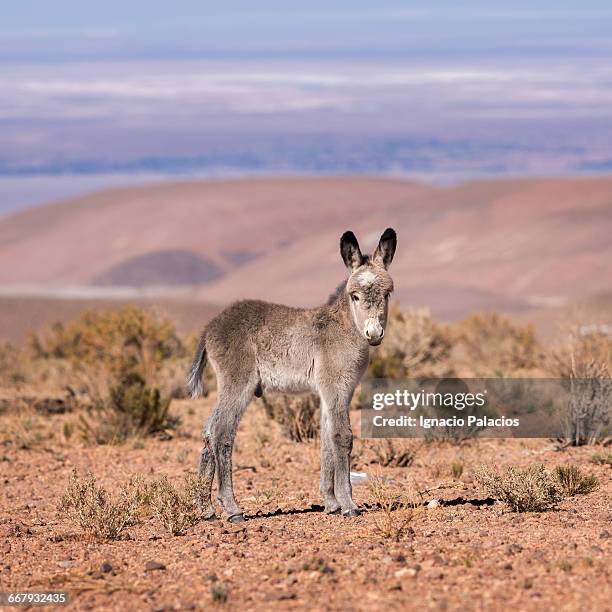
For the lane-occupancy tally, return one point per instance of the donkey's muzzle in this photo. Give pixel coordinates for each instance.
(374, 332)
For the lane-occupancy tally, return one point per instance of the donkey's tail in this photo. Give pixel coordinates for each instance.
(194, 377)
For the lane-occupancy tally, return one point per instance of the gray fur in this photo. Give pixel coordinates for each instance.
(254, 346)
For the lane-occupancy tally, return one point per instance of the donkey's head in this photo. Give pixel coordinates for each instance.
(369, 285)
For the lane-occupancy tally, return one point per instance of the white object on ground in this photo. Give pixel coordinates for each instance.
(358, 478)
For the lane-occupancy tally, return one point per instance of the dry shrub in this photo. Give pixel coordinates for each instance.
(582, 356)
(574, 482)
(533, 489)
(111, 345)
(24, 429)
(12, 366)
(394, 454)
(219, 593)
(398, 511)
(99, 514)
(489, 345)
(298, 415)
(131, 410)
(178, 509)
(119, 358)
(415, 346)
(585, 363)
(602, 459)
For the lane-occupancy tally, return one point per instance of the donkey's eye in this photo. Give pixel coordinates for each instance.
(354, 297)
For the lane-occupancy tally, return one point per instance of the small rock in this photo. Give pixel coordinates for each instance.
(105, 568)
(406, 571)
(66, 564)
(434, 503)
(152, 566)
(452, 531)
(399, 558)
(513, 549)
(507, 566)
(604, 535)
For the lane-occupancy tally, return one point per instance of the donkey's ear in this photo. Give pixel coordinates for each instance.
(350, 251)
(383, 255)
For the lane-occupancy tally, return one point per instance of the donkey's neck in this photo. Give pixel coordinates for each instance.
(338, 308)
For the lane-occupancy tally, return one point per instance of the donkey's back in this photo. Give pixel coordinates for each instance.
(270, 346)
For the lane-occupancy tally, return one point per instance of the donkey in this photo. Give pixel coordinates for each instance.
(256, 346)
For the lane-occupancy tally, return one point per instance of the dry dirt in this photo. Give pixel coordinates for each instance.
(467, 553)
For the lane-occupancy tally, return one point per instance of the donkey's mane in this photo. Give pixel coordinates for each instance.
(335, 297)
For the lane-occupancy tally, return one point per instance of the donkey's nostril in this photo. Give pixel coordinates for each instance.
(367, 334)
(382, 332)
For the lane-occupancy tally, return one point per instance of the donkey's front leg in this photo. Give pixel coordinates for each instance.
(339, 436)
(327, 466)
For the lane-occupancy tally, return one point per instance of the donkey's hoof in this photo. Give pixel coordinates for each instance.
(352, 512)
(332, 510)
(236, 518)
(209, 514)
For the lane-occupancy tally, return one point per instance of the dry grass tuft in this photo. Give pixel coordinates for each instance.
(398, 511)
(574, 482)
(219, 593)
(602, 459)
(394, 454)
(178, 509)
(525, 490)
(99, 514)
(298, 415)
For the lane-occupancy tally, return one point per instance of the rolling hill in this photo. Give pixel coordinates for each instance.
(506, 244)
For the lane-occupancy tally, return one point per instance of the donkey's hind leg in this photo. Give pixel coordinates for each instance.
(231, 404)
(206, 473)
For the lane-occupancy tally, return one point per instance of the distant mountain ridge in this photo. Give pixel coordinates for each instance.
(506, 244)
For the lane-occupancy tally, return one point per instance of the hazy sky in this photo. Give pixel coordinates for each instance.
(441, 89)
(65, 29)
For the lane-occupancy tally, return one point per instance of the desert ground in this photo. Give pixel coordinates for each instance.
(493, 279)
(468, 552)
